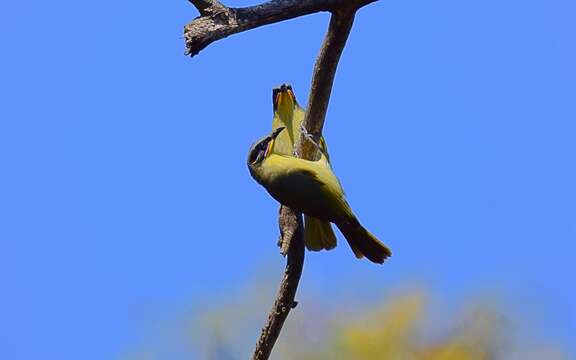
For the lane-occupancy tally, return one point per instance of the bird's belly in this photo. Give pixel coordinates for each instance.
(303, 198)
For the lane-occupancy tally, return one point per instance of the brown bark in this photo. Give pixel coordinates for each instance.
(218, 21)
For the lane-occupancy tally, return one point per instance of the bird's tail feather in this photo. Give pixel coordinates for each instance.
(318, 234)
(363, 243)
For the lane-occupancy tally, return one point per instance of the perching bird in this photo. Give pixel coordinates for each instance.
(318, 234)
(312, 188)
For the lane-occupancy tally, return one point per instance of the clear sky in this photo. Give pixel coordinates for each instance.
(125, 196)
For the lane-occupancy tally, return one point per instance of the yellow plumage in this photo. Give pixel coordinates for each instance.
(318, 234)
(312, 188)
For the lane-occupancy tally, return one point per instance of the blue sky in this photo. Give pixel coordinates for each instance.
(125, 196)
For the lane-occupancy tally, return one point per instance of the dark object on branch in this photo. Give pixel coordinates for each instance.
(217, 22)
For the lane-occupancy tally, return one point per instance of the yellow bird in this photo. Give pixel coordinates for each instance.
(310, 187)
(318, 234)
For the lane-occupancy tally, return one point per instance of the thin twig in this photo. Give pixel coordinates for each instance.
(323, 79)
(218, 21)
(291, 225)
(207, 7)
(292, 232)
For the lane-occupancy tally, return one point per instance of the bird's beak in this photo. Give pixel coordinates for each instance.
(277, 132)
(273, 136)
(283, 96)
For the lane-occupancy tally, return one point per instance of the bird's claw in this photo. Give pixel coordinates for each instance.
(309, 137)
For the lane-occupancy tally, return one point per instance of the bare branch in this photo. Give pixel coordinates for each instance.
(323, 79)
(291, 224)
(208, 7)
(218, 21)
(292, 233)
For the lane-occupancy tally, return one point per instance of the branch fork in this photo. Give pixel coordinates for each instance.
(216, 21)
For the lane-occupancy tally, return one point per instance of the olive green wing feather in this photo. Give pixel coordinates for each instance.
(312, 190)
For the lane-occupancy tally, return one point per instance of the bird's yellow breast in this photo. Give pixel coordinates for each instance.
(278, 166)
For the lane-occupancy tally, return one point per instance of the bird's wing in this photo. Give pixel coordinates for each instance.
(311, 188)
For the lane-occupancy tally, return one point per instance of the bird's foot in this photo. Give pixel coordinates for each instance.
(309, 137)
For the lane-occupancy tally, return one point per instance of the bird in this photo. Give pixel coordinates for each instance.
(318, 234)
(312, 188)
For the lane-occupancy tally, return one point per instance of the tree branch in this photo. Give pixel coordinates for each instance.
(291, 224)
(292, 235)
(208, 7)
(218, 21)
(323, 79)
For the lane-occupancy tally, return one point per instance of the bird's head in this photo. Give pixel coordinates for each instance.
(262, 148)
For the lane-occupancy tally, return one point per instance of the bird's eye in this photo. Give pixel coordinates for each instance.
(260, 151)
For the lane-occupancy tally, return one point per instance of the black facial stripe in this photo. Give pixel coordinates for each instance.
(258, 151)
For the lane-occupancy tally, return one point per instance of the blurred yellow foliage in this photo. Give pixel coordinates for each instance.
(384, 334)
(394, 332)
(404, 327)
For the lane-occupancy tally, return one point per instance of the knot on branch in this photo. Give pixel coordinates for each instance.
(289, 223)
(286, 307)
(214, 23)
(207, 7)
